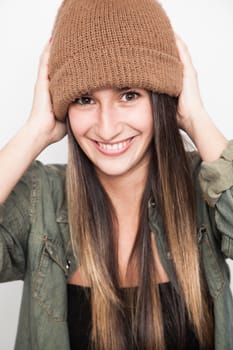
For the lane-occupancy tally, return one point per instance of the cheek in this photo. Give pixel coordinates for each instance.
(144, 120)
(78, 123)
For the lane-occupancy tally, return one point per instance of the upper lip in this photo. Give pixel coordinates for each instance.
(115, 142)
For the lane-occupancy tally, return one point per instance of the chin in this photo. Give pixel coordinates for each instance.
(111, 172)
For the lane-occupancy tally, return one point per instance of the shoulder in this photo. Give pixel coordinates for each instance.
(46, 184)
(195, 168)
(51, 171)
(52, 175)
(194, 161)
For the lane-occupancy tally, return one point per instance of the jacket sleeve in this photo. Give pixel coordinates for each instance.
(216, 180)
(14, 230)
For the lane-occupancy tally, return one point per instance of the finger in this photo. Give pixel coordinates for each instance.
(183, 50)
(44, 57)
(43, 64)
(184, 53)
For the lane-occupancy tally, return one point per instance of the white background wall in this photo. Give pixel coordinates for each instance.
(25, 26)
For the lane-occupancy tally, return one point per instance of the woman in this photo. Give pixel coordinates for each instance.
(146, 268)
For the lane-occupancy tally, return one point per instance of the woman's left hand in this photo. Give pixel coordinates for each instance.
(191, 114)
(190, 106)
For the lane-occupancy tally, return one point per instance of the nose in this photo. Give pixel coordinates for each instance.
(108, 125)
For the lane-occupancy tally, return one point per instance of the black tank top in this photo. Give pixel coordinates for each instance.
(79, 320)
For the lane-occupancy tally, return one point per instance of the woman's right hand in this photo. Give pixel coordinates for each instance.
(42, 119)
(40, 130)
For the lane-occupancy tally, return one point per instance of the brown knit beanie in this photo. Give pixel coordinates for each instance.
(111, 43)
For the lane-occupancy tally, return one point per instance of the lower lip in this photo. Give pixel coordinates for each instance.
(114, 152)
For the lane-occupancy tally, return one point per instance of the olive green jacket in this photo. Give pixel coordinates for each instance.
(35, 247)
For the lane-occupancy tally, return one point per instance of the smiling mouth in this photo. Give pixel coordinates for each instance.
(114, 148)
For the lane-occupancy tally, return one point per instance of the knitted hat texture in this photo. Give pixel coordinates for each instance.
(111, 43)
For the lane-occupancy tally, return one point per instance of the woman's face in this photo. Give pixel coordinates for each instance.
(114, 128)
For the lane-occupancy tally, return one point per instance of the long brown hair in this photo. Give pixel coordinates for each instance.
(93, 226)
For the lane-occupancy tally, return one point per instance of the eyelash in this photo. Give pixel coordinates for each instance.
(131, 92)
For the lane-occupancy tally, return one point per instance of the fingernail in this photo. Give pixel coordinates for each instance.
(51, 39)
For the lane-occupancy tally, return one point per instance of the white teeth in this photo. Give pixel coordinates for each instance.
(113, 147)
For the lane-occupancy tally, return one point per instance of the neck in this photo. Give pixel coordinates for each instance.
(126, 191)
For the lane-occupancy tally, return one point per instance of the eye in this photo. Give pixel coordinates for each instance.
(130, 95)
(83, 100)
